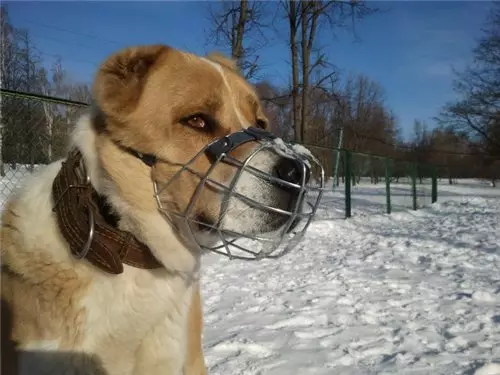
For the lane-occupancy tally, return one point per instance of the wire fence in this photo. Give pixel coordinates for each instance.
(35, 129)
(376, 184)
(385, 184)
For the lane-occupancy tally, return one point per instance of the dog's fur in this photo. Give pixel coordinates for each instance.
(70, 317)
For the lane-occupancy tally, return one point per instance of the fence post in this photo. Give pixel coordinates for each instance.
(339, 148)
(347, 173)
(388, 183)
(434, 184)
(414, 185)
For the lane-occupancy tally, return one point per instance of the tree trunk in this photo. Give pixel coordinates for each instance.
(305, 69)
(49, 117)
(309, 20)
(237, 48)
(292, 18)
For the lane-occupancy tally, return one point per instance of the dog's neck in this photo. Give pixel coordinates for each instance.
(89, 224)
(147, 226)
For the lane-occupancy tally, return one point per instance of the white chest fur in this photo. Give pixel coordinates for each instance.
(123, 310)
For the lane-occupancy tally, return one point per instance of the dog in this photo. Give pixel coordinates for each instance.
(96, 279)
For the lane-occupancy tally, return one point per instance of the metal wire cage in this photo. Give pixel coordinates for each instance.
(235, 244)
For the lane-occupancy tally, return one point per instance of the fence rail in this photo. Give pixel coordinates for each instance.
(34, 131)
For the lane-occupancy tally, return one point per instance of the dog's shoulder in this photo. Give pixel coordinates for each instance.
(28, 223)
(39, 285)
(29, 226)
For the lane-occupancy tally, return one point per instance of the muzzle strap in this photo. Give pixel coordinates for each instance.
(215, 149)
(233, 140)
(148, 159)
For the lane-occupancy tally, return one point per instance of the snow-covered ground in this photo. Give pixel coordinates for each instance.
(414, 292)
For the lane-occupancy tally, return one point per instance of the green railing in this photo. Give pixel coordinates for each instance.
(382, 181)
(375, 183)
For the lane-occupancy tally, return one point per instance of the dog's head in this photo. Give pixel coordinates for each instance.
(155, 102)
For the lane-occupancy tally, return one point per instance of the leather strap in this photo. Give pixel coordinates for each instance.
(77, 206)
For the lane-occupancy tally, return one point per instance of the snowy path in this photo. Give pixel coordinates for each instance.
(413, 292)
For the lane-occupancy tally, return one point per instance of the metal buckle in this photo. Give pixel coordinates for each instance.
(85, 249)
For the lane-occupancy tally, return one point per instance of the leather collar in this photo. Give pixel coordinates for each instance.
(88, 224)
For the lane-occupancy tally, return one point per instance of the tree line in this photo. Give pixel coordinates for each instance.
(320, 107)
(33, 131)
(324, 108)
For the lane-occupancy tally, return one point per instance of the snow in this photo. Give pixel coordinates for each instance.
(412, 292)
(292, 150)
(489, 369)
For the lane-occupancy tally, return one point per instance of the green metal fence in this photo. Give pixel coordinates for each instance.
(34, 132)
(366, 183)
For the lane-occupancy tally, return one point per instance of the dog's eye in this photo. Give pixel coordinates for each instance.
(261, 124)
(196, 121)
(200, 121)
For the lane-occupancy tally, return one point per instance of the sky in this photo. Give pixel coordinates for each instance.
(409, 47)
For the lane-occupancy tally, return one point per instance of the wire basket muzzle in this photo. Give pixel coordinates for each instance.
(265, 208)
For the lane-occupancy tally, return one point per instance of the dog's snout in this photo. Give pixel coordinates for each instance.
(292, 170)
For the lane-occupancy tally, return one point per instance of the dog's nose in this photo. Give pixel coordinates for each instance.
(292, 170)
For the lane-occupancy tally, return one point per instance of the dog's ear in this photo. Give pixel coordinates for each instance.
(120, 79)
(226, 62)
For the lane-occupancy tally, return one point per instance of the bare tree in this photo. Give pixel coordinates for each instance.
(307, 16)
(239, 25)
(56, 87)
(311, 10)
(9, 74)
(79, 92)
(448, 149)
(478, 110)
(27, 63)
(293, 11)
(6, 67)
(32, 130)
(367, 122)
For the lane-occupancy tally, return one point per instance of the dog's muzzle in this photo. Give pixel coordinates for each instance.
(291, 173)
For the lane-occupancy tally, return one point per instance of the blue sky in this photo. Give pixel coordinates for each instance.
(409, 48)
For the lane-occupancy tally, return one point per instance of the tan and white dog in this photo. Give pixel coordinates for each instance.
(64, 315)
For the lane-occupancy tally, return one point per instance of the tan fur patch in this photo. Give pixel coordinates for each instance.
(41, 294)
(224, 61)
(123, 76)
(195, 362)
